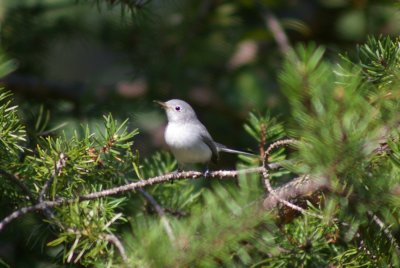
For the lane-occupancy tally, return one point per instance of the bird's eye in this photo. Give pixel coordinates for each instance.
(177, 108)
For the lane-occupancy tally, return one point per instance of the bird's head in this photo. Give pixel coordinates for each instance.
(178, 110)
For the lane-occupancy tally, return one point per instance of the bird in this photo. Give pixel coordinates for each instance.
(187, 138)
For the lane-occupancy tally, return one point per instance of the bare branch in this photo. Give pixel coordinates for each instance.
(300, 186)
(284, 201)
(220, 174)
(278, 144)
(266, 154)
(267, 183)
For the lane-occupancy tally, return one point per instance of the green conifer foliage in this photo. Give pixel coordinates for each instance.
(343, 136)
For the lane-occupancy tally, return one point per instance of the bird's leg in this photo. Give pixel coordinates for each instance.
(206, 172)
(178, 170)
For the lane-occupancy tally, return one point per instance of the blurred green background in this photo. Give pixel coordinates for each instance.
(78, 60)
(83, 59)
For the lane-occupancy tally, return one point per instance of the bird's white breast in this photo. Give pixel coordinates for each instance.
(186, 143)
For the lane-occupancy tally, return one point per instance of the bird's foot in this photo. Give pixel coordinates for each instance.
(178, 170)
(206, 173)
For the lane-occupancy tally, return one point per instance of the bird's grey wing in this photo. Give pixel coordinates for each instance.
(206, 138)
(210, 143)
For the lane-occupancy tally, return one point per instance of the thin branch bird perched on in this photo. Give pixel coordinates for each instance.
(187, 138)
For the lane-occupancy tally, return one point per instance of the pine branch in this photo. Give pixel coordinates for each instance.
(220, 174)
(298, 187)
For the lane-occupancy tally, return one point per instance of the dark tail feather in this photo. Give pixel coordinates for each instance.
(223, 148)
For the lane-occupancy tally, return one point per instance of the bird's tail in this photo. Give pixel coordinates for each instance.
(223, 148)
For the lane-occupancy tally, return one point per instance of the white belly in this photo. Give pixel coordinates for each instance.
(186, 145)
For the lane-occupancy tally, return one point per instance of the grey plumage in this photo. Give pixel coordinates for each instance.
(187, 137)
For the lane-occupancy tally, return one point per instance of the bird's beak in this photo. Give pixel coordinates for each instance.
(162, 104)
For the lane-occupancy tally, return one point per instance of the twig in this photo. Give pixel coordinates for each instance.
(161, 213)
(278, 144)
(266, 154)
(221, 174)
(285, 202)
(267, 183)
(117, 243)
(59, 164)
(299, 186)
(115, 218)
(263, 138)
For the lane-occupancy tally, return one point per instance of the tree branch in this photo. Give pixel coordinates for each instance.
(284, 201)
(221, 174)
(301, 186)
(272, 193)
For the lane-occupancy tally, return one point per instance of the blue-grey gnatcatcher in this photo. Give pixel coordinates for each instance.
(187, 137)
